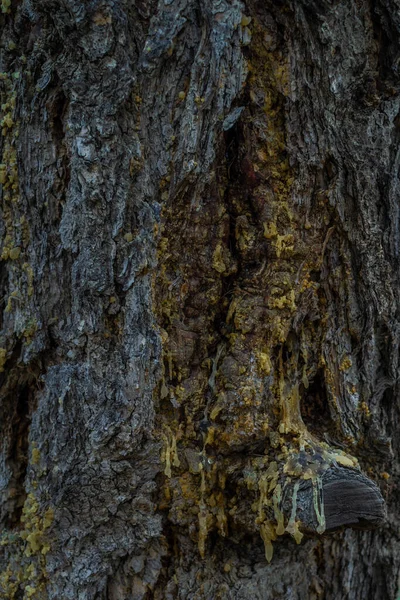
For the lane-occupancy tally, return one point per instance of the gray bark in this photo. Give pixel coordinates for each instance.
(199, 345)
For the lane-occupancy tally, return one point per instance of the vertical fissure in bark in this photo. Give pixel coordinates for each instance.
(18, 452)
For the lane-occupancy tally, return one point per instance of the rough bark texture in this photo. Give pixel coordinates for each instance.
(200, 290)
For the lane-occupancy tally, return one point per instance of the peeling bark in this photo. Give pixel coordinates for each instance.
(199, 268)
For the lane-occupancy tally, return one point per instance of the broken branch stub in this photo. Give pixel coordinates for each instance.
(344, 498)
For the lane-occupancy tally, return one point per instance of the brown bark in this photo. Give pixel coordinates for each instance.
(200, 299)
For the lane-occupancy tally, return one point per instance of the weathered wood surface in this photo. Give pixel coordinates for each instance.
(199, 277)
(354, 501)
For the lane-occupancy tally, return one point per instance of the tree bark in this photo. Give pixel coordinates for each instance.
(199, 345)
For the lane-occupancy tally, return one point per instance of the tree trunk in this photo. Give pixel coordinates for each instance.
(199, 344)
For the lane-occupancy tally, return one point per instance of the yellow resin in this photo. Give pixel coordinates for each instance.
(268, 534)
